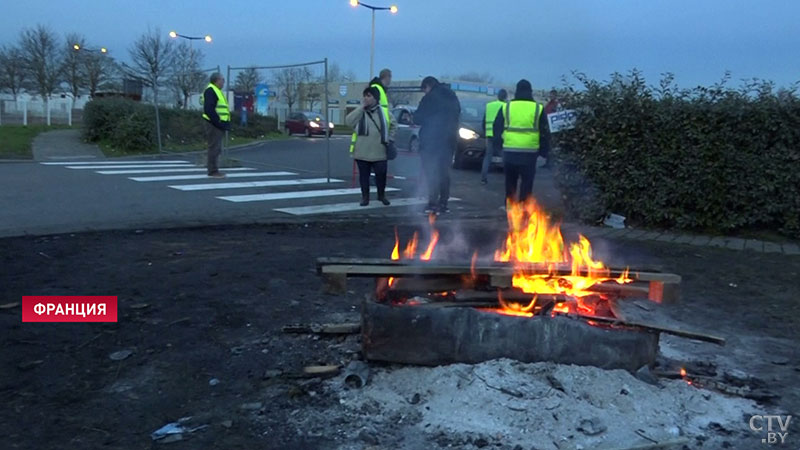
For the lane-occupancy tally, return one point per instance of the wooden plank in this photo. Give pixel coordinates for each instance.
(430, 269)
(646, 314)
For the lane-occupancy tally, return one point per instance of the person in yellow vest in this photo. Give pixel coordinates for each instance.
(218, 120)
(522, 126)
(493, 144)
(382, 82)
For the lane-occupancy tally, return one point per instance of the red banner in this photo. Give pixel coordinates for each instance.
(64, 308)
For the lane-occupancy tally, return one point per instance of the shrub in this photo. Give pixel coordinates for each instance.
(130, 126)
(709, 158)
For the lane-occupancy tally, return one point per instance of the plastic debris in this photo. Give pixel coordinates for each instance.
(120, 355)
(175, 428)
(614, 221)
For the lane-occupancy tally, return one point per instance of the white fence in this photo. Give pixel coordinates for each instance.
(30, 112)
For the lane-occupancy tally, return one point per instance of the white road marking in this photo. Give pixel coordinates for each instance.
(351, 206)
(200, 177)
(296, 194)
(200, 169)
(249, 184)
(106, 162)
(132, 166)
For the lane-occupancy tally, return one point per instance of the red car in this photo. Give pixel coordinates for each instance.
(308, 123)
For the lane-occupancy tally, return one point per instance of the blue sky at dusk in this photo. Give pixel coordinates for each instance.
(696, 40)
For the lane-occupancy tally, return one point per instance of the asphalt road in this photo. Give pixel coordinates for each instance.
(285, 180)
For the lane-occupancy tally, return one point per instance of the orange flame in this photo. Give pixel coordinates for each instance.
(434, 239)
(683, 372)
(411, 247)
(532, 239)
(396, 250)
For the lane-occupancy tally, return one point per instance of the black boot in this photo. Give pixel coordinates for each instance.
(364, 200)
(384, 200)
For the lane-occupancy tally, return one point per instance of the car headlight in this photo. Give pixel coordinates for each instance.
(330, 125)
(468, 134)
(313, 124)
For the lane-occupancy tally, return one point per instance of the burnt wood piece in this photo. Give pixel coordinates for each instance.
(435, 336)
(645, 314)
(379, 267)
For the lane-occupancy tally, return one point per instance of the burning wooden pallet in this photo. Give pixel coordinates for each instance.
(659, 287)
(433, 313)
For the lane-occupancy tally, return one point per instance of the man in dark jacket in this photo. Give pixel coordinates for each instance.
(522, 135)
(437, 115)
(218, 120)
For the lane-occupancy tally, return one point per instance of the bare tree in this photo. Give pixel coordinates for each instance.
(287, 81)
(247, 80)
(153, 59)
(99, 69)
(12, 69)
(43, 60)
(73, 67)
(310, 88)
(187, 78)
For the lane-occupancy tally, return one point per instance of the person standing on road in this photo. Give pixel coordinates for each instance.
(437, 115)
(547, 142)
(493, 143)
(372, 133)
(218, 121)
(382, 83)
(521, 125)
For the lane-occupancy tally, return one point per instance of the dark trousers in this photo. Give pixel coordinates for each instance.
(487, 157)
(214, 138)
(520, 169)
(436, 168)
(365, 168)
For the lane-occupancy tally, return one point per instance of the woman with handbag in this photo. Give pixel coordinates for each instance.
(372, 143)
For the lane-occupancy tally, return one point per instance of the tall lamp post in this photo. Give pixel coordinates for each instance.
(392, 9)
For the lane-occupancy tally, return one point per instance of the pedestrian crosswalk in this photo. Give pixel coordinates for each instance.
(291, 192)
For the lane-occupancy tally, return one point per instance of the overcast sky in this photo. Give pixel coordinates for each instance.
(541, 41)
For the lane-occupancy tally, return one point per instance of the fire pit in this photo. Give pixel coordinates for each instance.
(536, 300)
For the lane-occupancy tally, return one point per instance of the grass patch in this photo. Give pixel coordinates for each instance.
(110, 150)
(16, 141)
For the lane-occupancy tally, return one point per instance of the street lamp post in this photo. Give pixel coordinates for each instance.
(77, 47)
(174, 35)
(392, 9)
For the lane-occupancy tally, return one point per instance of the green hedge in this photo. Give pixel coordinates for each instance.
(130, 126)
(709, 158)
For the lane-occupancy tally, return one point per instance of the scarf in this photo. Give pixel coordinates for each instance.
(370, 114)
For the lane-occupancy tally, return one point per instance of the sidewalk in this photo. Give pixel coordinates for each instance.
(63, 144)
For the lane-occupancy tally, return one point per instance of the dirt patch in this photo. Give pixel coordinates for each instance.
(197, 305)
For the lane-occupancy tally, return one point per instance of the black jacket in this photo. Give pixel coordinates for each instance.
(438, 115)
(210, 108)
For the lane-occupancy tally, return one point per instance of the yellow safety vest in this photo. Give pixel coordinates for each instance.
(384, 101)
(521, 131)
(491, 113)
(222, 105)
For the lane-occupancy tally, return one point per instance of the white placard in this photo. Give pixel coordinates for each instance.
(562, 120)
